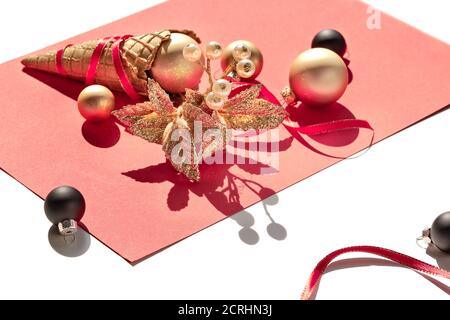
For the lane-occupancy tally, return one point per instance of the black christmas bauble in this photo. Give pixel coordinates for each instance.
(330, 39)
(440, 232)
(64, 203)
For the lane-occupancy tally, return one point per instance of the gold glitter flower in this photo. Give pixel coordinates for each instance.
(158, 121)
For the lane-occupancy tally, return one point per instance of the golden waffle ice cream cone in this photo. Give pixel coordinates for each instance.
(137, 55)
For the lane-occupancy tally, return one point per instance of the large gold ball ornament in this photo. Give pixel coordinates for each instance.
(95, 103)
(318, 77)
(170, 68)
(256, 56)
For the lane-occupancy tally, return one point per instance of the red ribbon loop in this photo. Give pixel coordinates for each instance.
(400, 258)
(120, 70)
(95, 59)
(59, 64)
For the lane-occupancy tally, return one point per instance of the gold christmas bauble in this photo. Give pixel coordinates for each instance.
(171, 70)
(256, 56)
(95, 103)
(318, 77)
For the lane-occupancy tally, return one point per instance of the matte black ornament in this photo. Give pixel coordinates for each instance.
(330, 39)
(65, 206)
(440, 232)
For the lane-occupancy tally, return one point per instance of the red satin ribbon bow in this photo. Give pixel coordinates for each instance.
(400, 258)
(95, 59)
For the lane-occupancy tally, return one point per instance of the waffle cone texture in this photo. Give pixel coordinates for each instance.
(137, 54)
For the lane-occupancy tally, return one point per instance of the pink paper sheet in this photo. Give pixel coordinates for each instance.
(136, 204)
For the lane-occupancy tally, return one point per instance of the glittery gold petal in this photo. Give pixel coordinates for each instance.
(184, 160)
(132, 113)
(191, 113)
(194, 97)
(150, 127)
(142, 121)
(246, 95)
(254, 114)
(158, 98)
(219, 141)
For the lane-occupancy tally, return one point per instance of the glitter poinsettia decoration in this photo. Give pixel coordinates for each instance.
(201, 124)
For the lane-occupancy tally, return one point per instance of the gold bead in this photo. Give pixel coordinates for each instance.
(256, 56)
(171, 70)
(192, 52)
(241, 51)
(245, 68)
(95, 103)
(318, 77)
(222, 87)
(215, 101)
(213, 50)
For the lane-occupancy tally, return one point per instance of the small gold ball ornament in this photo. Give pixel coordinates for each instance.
(256, 56)
(171, 70)
(95, 103)
(318, 77)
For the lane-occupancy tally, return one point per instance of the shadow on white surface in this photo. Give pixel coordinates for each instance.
(246, 220)
(274, 229)
(247, 234)
(369, 262)
(442, 258)
(69, 246)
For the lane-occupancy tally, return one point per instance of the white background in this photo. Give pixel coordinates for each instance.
(384, 198)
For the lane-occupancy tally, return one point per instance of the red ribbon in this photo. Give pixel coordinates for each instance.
(95, 60)
(332, 126)
(120, 70)
(328, 127)
(309, 130)
(59, 56)
(400, 258)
